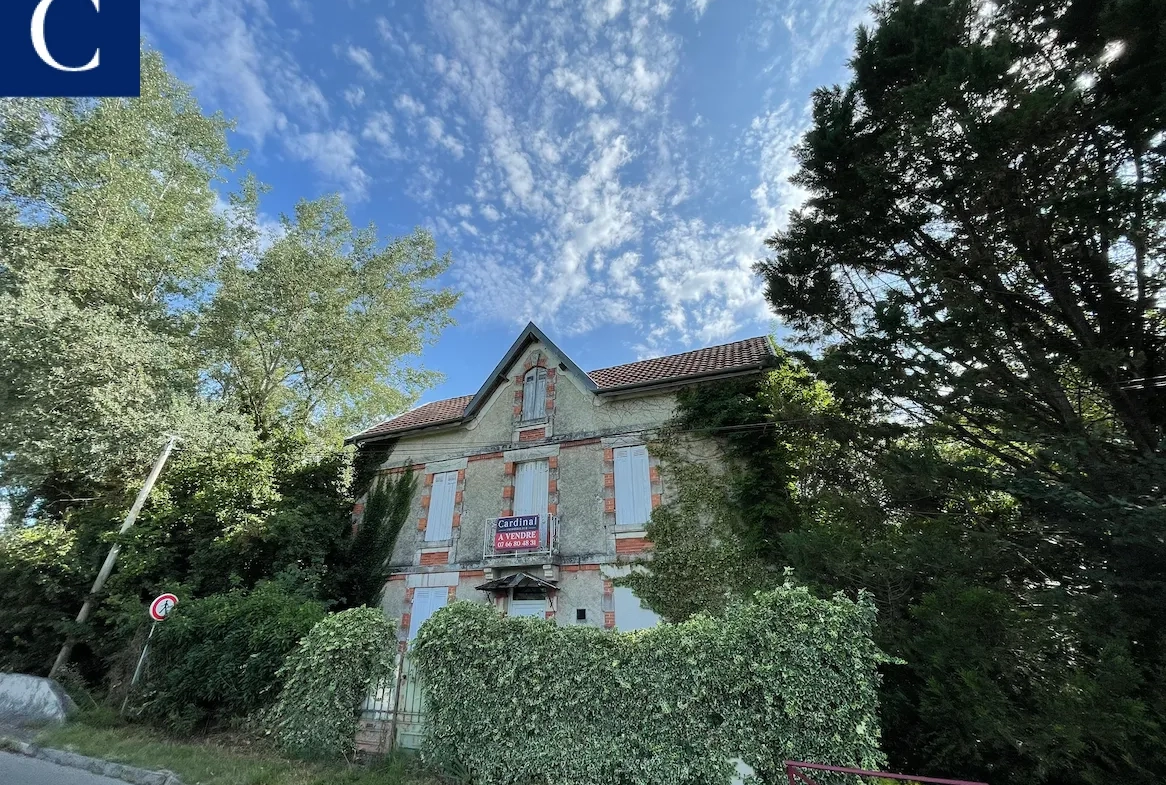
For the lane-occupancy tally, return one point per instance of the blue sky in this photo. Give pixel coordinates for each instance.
(607, 168)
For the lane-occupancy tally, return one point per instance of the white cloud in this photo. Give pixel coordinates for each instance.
(464, 210)
(379, 130)
(364, 60)
(410, 105)
(489, 212)
(333, 154)
(436, 130)
(354, 96)
(698, 7)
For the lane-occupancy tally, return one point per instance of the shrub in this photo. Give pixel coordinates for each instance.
(327, 678)
(43, 580)
(217, 659)
(788, 676)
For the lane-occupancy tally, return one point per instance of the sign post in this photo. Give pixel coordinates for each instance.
(159, 609)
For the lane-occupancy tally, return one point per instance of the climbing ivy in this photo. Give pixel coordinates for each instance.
(786, 676)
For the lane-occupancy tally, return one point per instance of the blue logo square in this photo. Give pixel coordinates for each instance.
(69, 48)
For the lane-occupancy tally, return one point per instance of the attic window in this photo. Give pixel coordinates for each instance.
(534, 394)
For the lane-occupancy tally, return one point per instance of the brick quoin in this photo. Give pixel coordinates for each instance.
(609, 505)
(552, 508)
(657, 500)
(508, 469)
(609, 481)
(400, 576)
(534, 434)
(405, 618)
(653, 474)
(431, 558)
(553, 462)
(609, 620)
(608, 454)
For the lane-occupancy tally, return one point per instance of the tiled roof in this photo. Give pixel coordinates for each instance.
(725, 357)
(739, 355)
(429, 414)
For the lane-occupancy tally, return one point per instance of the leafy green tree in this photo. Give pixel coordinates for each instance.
(361, 578)
(315, 328)
(107, 225)
(980, 266)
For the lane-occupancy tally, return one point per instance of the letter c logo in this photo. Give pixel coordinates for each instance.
(42, 49)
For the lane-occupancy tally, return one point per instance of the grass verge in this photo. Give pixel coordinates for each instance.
(212, 763)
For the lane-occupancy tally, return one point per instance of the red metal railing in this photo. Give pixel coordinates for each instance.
(794, 774)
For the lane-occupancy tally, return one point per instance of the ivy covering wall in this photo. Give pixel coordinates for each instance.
(517, 700)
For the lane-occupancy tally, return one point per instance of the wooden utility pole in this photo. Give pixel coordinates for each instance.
(107, 568)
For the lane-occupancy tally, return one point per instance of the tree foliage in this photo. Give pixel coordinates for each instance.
(786, 676)
(137, 298)
(313, 328)
(362, 579)
(218, 659)
(1008, 676)
(103, 230)
(978, 275)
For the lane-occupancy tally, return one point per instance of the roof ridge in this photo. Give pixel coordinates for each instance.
(680, 354)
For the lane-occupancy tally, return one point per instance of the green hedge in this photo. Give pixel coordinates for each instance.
(327, 678)
(787, 676)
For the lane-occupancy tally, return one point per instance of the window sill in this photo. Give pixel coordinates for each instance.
(531, 423)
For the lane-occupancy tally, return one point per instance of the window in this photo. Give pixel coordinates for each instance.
(439, 519)
(534, 394)
(527, 602)
(426, 602)
(530, 488)
(633, 486)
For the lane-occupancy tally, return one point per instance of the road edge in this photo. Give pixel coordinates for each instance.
(104, 768)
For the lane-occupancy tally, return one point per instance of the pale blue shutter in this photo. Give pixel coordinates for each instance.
(530, 488)
(426, 602)
(624, 497)
(641, 485)
(439, 521)
(534, 394)
(633, 488)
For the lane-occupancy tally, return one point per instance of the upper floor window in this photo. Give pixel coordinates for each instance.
(633, 486)
(534, 394)
(439, 519)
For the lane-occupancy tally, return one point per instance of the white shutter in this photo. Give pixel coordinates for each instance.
(426, 602)
(439, 520)
(530, 488)
(633, 488)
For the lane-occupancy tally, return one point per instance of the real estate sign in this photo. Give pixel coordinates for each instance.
(516, 533)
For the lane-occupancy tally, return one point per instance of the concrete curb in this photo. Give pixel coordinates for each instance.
(117, 771)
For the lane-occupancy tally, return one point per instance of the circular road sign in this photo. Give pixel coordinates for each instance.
(160, 608)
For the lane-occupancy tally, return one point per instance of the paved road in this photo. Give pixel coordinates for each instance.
(19, 770)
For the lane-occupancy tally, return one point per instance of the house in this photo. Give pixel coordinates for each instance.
(534, 491)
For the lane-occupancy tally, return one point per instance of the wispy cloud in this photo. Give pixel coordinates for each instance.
(364, 61)
(592, 155)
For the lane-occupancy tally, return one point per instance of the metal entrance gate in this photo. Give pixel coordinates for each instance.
(394, 714)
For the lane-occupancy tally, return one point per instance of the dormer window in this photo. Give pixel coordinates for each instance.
(534, 394)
